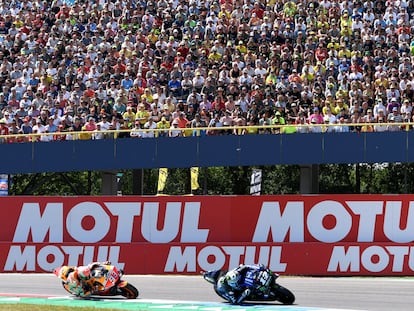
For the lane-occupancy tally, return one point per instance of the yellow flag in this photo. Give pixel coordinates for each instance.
(194, 178)
(162, 178)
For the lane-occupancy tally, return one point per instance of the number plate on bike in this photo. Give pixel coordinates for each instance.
(263, 278)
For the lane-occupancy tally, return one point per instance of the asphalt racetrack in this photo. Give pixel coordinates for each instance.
(347, 293)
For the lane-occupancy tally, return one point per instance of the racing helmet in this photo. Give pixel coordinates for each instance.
(233, 278)
(63, 272)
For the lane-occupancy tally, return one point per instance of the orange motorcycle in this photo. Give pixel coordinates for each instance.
(104, 280)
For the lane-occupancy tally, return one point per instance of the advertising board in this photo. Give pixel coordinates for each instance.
(297, 235)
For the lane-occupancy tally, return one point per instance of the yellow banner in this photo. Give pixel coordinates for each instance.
(194, 178)
(162, 179)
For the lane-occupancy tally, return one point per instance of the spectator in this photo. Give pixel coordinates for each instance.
(243, 58)
(136, 131)
(215, 122)
(181, 120)
(26, 127)
(4, 129)
(341, 127)
(163, 125)
(98, 133)
(395, 116)
(175, 131)
(149, 126)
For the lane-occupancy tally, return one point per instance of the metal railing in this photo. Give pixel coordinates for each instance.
(211, 131)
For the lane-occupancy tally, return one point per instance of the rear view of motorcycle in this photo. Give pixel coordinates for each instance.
(99, 279)
(249, 283)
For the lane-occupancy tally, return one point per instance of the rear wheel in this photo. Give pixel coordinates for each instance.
(283, 295)
(129, 291)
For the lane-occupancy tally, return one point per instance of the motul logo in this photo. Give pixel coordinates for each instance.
(122, 217)
(48, 257)
(212, 257)
(330, 222)
(373, 258)
(326, 221)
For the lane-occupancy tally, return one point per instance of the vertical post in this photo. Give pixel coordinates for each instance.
(109, 186)
(138, 182)
(357, 178)
(205, 178)
(309, 179)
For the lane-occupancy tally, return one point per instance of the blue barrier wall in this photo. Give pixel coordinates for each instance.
(204, 151)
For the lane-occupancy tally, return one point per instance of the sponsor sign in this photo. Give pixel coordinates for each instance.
(256, 182)
(300, 235)
(4, 185)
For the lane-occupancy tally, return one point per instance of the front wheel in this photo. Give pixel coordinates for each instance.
(129, 291)
(66, 287)
(283, 295)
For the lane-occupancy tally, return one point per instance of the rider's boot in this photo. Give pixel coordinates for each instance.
(243, 295)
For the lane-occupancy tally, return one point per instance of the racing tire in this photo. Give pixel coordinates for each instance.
(283, 295)
(129, 291)
(65, 286)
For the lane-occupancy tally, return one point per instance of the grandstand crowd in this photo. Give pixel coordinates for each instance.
(78, 69)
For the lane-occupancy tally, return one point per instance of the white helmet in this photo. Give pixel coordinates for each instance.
(232, 278)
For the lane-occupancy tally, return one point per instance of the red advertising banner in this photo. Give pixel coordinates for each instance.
(298, 235)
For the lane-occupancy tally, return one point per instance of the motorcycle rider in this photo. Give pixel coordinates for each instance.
(232, 285)
(76, 278)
